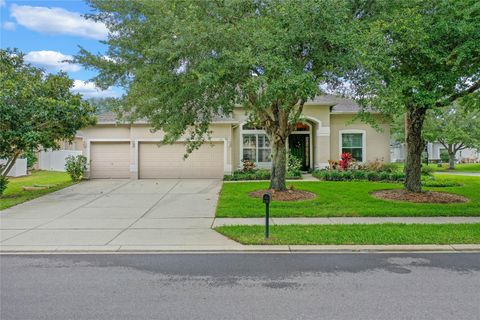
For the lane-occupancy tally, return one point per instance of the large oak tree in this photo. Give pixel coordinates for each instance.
(415, 56)
(185, 62)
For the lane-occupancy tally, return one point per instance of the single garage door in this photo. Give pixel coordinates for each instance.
(166, 161)
(110, 160)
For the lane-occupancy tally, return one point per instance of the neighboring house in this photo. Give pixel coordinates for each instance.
(436, 151)
(121, 150)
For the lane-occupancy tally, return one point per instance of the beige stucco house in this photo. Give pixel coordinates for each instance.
(118, 150)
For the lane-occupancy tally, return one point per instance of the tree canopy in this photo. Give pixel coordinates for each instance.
(36, 109)
(455, 127)
(417, 55)
(185, 62)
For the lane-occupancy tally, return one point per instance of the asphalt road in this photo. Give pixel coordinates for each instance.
(241, 286)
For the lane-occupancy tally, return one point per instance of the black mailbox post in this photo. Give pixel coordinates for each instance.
(266, 200)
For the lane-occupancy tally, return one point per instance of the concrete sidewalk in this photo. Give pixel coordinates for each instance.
(345, 220)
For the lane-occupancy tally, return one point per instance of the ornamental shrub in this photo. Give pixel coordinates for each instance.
(347, 175)
(76, 167)
(373, 176)
(3, 184)
(384, 176)
(427, 171)
(397, 176)
(359, 175)
(248, 166)
(346, 161)
(294, 165)
(31, 158)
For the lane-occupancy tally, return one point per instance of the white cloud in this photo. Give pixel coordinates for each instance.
(89, 90)
(51, 60)
(57, 21)
(2, 3)
(8, 25)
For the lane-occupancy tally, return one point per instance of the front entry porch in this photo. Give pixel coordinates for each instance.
(256, 146)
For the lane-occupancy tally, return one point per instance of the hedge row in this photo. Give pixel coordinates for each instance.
(335, 175)
(260, 174)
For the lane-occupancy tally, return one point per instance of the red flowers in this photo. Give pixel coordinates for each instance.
(346, 161)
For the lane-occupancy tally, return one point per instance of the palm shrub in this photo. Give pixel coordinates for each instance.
(76, 167)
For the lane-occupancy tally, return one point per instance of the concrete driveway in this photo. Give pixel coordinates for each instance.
(112, 215)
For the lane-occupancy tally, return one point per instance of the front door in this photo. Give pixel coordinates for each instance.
(299, 146)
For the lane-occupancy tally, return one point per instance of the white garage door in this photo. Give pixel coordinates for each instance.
(110, 160)
(166, 161)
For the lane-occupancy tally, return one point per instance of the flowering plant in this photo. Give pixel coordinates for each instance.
(346, 161)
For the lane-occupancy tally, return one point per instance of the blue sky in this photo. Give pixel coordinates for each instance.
(51, 31)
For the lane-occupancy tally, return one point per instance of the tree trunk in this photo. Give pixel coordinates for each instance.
(279, 165)
(10, 163)
(415, 146)
(451, 160)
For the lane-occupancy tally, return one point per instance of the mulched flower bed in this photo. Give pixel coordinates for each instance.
(422, 197)
(288, 195)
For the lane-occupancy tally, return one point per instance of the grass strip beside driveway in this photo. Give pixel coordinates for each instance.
(346, 199)
(459, 167)
(377, 234)
(14, 194)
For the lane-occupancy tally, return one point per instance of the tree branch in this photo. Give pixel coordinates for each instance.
(298, 113)
(443, 143)
(445, 102)
(10, 164)
(461, 146)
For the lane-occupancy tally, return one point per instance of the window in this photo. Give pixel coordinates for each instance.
(353, 144)
(255, 145)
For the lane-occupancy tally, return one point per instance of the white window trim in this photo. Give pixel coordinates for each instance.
(259, 131)
(256, 132)
(364, 141)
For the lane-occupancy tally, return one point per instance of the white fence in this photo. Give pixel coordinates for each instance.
(55, 160)
(19, 168)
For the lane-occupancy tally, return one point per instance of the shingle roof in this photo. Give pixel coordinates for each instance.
(107, 117)
(338, 104)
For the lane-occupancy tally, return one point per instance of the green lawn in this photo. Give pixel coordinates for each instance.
(461, 167)
(14, 193)
(356, 234)
(346, 199)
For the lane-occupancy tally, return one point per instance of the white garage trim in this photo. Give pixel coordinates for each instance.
(135, 167)
(227, 168)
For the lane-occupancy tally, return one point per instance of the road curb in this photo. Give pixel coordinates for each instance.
(243, 249)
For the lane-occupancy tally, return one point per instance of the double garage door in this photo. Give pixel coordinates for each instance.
(112, 160)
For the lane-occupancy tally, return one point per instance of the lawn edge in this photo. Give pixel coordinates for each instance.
(456, 248)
